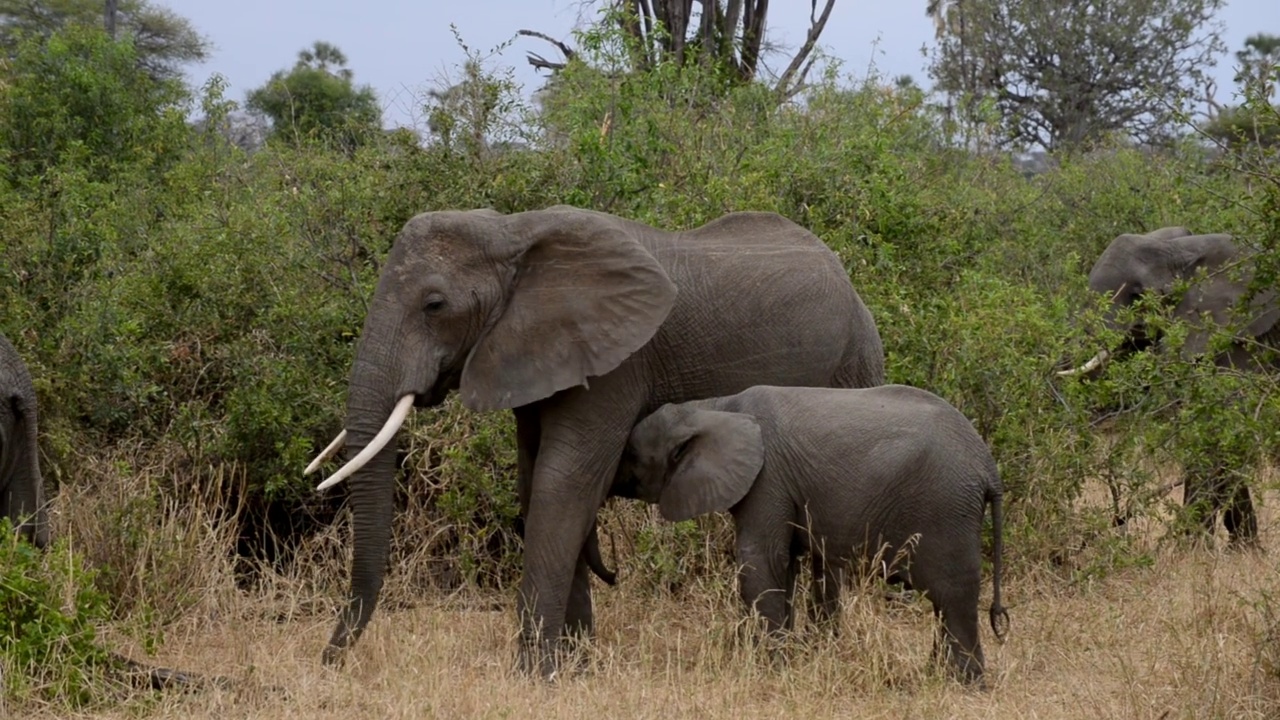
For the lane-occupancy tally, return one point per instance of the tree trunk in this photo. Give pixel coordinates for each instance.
(109, 19)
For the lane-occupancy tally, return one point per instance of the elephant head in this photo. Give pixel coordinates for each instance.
(1152, 265)
(507, 309)
(21, 485)
(691, 461)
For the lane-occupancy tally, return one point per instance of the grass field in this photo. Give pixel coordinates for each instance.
(1194, 633)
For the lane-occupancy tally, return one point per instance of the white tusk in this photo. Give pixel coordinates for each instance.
(327, 452)
(378, 442)
(1094, 363)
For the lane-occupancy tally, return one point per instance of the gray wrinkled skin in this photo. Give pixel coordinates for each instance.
(841, 475)
(21, 485)
(581, 323)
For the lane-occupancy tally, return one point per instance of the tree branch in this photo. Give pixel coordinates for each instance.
(815, 30)
(540, 62)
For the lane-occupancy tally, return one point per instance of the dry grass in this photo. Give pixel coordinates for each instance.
(1195, 634)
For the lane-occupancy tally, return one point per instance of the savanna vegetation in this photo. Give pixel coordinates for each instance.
(189, 305)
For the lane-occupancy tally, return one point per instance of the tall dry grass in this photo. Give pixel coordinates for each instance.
(1192, 633)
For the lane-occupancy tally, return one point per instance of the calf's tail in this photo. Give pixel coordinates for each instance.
(995, 497)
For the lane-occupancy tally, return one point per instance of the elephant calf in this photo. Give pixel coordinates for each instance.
(843, 475)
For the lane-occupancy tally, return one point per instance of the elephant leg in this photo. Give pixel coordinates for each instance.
(766, 577)
(824, 599)
(1240, 519)
(578, 622)
(793, 572)
(1201, 500)
(528, 433)
(958, 633)
(579, 449)
(949, 573)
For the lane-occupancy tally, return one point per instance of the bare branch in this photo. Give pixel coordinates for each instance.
(540, 62)
(815, 30)
(799, 85)
(1214, 108)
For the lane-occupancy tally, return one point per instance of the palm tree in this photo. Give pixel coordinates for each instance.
(321, 55)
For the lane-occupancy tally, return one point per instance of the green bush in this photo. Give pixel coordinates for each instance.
(79, 99)
(171, 289)
(49, 610)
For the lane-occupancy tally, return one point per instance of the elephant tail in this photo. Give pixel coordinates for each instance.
(594, 559)
(995, 497)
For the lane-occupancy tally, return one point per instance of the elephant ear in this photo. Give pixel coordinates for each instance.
(714, 468)
(584, 296)
(1216, 294)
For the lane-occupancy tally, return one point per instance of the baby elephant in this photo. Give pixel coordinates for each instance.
(840, 474)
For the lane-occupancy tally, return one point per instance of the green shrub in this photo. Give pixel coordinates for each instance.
(184, 293)
(79, 99)
(49, 609)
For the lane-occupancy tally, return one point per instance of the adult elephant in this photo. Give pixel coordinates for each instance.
(21, 486)
(1218, 274)
(581, 323)
(22, 501)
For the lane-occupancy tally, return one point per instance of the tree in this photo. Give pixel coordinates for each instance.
(461, 114)
(729, 34)
(1064, 74)
(1257, 121)
(78, 99)
(163, 41)
(1257, 62)
(318, 97)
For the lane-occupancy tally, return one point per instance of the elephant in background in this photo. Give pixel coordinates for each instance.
(847, 476)
(22, 498)
(1219, 274)
(581, 323)
(21, 485)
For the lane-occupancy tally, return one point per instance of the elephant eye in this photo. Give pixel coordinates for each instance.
(678, 454)
(435, 303)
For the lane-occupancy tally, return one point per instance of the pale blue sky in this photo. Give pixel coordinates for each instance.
(401, 46)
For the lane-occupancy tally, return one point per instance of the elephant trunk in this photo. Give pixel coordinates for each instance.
(372, 495)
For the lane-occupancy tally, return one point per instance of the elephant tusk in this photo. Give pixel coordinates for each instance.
(379, 441)
(327, 453)
(1093, 364)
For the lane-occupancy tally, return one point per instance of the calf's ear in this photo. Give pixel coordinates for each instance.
(714, 468)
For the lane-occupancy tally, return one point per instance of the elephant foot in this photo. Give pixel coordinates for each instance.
(551, 660)
(333, 655)
(1245, 543)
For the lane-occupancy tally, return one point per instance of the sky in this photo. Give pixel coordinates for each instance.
(402, 48)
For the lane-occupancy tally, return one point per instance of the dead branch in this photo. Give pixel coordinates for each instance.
(542, 63)
(815, 30)
(1213, 108)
